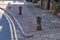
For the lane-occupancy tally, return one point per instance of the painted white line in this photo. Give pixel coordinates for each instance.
(1, 28)
(11, 25)
(13, 28)
(17, 22)
(11, 31)
(1, 14)
(23, 33)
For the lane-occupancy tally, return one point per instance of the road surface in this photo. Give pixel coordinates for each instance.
(4, 28)
(7, 27)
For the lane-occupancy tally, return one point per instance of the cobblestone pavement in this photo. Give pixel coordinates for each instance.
(50, 23)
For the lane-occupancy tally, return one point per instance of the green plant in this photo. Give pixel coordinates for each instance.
(57, 7)
(52, 1)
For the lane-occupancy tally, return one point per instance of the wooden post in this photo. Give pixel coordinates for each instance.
(38, 27)
(20, 10)
(9, 5)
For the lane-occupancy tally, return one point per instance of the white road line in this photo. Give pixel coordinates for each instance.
(14, 19)
(13, 28)
(1, 28)
(23, 33)
(15, 34)
(12, 38)
(16, 22)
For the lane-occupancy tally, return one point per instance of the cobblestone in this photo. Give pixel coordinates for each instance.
(50, 23)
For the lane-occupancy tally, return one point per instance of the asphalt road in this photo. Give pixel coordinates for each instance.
(4, 29)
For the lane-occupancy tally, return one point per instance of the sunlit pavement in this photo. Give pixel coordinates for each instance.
(17, 28)
(50, 23)
(4, 28)
(12, 2)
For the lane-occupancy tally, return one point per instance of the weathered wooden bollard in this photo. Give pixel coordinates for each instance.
(9, 5)
(38, 26)
(20, 10)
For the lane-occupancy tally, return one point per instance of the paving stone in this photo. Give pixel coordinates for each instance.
(50, 23)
